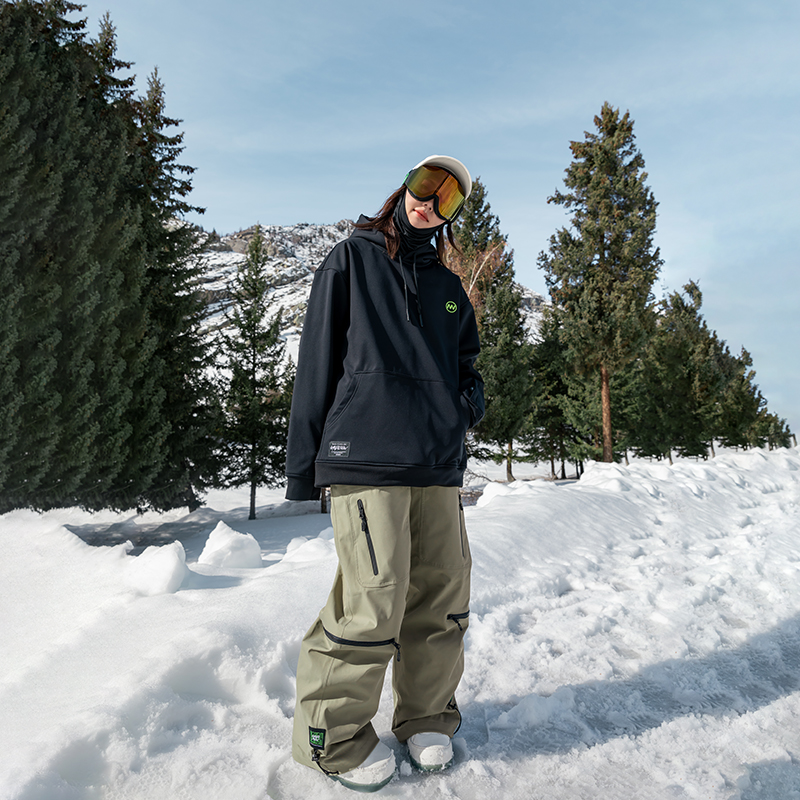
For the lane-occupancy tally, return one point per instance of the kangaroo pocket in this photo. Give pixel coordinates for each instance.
(385, 418)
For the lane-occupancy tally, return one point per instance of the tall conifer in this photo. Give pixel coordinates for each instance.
(505, 364)
(102, 401)
(176, 378)
(483, 258)
(258, 397)
(61, 159)
(600, 270)
(548, 433)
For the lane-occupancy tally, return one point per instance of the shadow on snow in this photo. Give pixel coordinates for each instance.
(725, 684)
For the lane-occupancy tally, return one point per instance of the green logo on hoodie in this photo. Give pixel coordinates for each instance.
(451, 306)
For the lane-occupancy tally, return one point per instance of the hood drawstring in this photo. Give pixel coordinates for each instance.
(416, 288)
(412, 242)
(405, 284)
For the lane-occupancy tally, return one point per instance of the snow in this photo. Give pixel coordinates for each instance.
(228, 548)
(634, 634)
(158, 570)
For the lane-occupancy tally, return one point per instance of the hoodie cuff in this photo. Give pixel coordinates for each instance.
(302, 489)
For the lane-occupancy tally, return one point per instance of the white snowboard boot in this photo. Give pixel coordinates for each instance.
(373, 773)
(430, 751)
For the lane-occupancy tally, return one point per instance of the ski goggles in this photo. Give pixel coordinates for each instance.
(439, 185)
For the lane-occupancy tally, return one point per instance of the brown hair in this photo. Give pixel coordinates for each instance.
(383, 221)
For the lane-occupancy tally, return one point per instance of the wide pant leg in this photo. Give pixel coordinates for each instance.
(401, 590)
(436, 616)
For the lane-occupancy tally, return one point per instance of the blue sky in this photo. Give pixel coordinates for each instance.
(313, 111)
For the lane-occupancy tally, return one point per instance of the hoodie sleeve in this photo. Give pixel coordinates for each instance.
(470, 383)
(319, 367)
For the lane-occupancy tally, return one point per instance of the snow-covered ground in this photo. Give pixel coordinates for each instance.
(633, 635)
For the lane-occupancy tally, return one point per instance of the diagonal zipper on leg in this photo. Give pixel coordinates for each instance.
(365, 528)
(354, 643)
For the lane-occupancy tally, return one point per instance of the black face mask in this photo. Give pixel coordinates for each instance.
(411, 238)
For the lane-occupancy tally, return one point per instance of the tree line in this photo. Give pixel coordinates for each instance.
(110, 395)
(611, 370)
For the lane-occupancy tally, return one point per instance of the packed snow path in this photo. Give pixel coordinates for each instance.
(632, 635)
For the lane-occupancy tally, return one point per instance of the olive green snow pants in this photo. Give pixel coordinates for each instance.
(401, 592)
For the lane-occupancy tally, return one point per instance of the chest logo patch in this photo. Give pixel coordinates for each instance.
(451, 306)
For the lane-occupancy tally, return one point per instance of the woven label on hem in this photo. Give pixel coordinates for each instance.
(339, 450)
(316, 738)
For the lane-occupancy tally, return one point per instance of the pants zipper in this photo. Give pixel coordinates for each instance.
(457, 617)
(461, 525)
(365, 528)
(315, 756)
(453, 706)
(354, 643)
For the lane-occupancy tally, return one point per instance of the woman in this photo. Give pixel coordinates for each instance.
(385, 391)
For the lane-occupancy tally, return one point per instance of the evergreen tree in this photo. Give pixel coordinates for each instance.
(774, 431)
(740, 406)
(61, 163)
(548, 434)
(600, 271)
(505, 365)
(258, 397)
(673, 380)
(482, 259)
(100, 323)
(182, 452)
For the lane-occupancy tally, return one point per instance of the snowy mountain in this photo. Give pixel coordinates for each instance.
(634, 635)
(295, 252)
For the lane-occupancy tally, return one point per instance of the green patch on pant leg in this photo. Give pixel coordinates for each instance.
(316, 738)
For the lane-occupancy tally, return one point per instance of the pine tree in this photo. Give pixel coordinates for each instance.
(129, 422)
(176, 381)
(100, 323)
(740, 405)
(62, 159)
(482, 259)
(548, 434)
(601, 270)
(774, 431)
(673, 380)
(258, 397)
(505, 365)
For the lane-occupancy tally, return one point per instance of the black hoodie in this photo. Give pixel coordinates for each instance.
(386, 385)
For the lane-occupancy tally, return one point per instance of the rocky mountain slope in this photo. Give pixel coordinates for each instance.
(295, 252)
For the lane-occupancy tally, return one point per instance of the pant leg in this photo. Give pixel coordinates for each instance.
(436, 616)
(345, 653)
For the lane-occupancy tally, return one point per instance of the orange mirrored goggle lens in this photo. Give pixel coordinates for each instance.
(437, 183)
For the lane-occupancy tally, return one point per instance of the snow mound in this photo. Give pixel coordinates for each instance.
(494, 490)
(158, 570)
(228, 548)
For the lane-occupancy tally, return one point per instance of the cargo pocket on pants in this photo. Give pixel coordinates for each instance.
(443, 535)
(365, 538)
